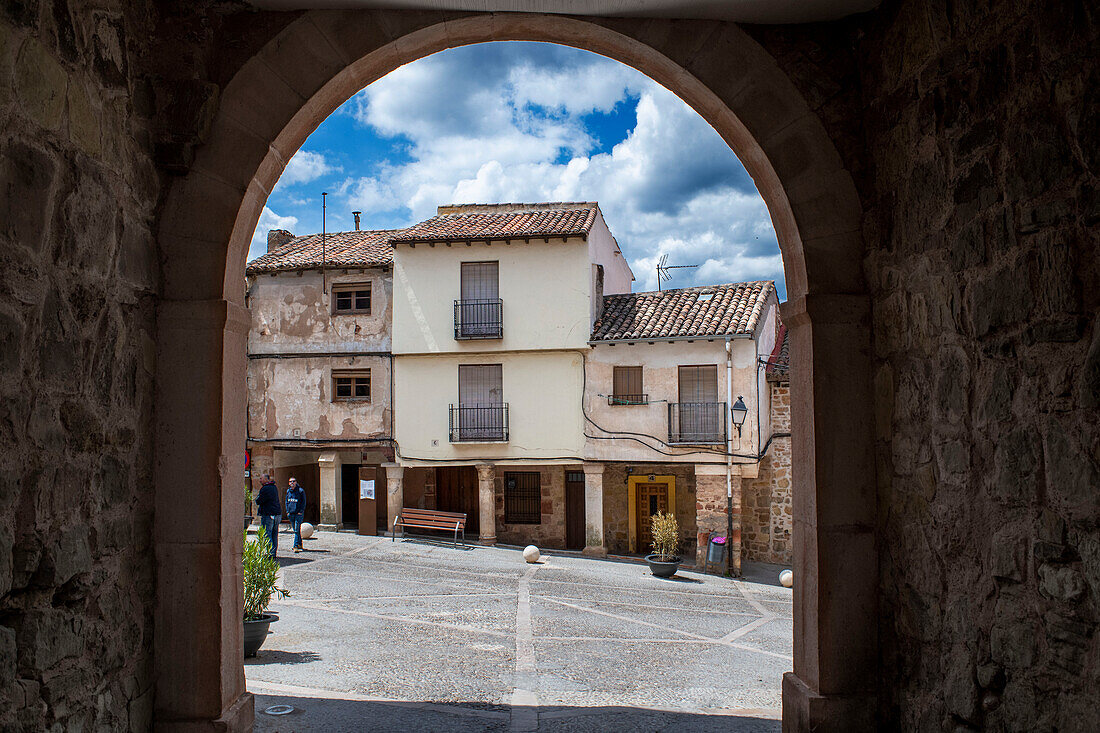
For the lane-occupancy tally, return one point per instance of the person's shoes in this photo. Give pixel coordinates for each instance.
(297, 549)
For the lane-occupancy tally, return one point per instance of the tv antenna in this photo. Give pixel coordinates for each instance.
(663, 269)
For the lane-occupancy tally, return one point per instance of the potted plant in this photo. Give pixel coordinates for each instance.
(260, 571)
(665, 530)
(247, 506)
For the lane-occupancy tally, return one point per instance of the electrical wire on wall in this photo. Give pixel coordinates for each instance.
(637, 437)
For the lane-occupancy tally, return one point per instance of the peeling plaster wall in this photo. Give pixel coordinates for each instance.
(291, 313)
(290, 390)
(292, 399)
(660, 363)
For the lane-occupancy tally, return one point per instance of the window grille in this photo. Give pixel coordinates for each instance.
(481, 414)
(479, 312)
(351, 386)
(522, 498)
(351, 298)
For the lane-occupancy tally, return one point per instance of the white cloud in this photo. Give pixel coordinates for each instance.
(305, 167)
(509, 122)
(268, 220)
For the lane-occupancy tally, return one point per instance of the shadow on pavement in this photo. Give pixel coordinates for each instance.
(762, 573)
(329, 714)
(434, 542)
(278, 656)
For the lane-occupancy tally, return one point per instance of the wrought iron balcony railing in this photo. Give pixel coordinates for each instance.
(478, 423)
(697, 423)
(627, 399)
(479, 319)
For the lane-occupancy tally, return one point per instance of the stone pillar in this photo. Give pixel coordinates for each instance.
(836, 664)
(593, 510)
(395, 493)
(486, 504)
(711, 512)
(198, 542)
(327, 463)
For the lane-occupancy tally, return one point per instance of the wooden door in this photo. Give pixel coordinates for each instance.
(574, 510)
(648, 500)
(456, 491)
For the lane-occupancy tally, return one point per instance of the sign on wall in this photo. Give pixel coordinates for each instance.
(366, 489)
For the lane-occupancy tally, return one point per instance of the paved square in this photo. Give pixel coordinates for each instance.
(380, 635)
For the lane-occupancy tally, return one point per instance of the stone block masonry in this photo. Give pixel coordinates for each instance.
(978, 175)
(78, 195)
(766, 512)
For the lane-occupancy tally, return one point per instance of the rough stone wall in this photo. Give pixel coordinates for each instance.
(550, 532)
(616, 528)
(981, 127)
(766, 518)
(78, 192)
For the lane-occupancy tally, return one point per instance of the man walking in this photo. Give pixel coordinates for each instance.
(267, 503)
(296, 510)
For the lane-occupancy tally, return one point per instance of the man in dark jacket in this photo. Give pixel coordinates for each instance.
(296, 510)
(271, 512)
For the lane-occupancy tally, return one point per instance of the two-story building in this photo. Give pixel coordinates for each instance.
(492, 360)
(493, 309)
(320, 367)
(678, 410)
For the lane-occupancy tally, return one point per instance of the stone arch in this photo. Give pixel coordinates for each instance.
(266, 111)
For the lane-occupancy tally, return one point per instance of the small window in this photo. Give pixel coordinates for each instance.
(522, 498)
(351, 386)
(351, 298)
(627, 388)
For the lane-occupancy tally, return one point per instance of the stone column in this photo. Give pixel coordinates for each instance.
(593, 510)
(486, 504)
(395, 493)
(711, 512)
(327, 464)
(198, 542)
(836, 664)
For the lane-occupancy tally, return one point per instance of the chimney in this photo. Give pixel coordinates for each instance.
(356, 215)
(277, 238)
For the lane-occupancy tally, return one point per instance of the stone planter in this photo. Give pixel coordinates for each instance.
(255, 632)
(662, 568)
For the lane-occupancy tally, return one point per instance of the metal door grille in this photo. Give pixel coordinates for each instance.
(522, 498)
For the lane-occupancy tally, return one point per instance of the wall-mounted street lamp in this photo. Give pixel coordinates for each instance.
(739, 412)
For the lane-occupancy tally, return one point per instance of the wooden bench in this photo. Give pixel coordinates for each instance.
(432, 519)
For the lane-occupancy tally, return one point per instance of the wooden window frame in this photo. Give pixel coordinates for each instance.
(352, 374)
(352, 288)
(510, 499)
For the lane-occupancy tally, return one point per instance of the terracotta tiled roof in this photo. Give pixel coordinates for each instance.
(502, 221)
(779, 363)
(714, 310)
(342, 249)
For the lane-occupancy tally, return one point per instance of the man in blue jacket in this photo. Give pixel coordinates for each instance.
(271, 512)
(296, 510)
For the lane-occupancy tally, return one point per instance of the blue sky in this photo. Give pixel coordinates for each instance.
(526, 122)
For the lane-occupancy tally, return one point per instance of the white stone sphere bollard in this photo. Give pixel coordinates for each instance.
(786, 579)
(307, 530)
(531, 553)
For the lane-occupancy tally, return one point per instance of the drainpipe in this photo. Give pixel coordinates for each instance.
(729, 458)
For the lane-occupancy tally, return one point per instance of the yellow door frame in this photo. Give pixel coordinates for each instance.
(632, 501)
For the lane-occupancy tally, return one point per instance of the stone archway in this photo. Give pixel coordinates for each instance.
(266, 112)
